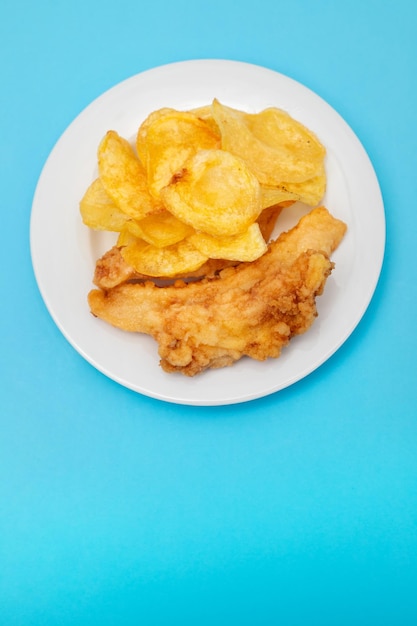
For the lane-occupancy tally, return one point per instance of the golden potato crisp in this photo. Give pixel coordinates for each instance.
(98, 210)
(167, 139)
(160, 229)
(141, 137)
(200, 189)
(123, 177)
(126, 237)
(205, 113)
(270, 196)
(309, 192)
(179, 258)
(215, 193)
(246, 246)
(276, 147)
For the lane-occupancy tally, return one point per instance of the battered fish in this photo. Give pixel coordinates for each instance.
(253, 309)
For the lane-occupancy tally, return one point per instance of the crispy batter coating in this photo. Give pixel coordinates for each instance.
(252, 309)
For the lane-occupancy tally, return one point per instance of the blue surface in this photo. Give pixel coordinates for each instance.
(296, 509)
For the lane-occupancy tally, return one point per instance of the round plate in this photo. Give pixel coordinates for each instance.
(64, 251)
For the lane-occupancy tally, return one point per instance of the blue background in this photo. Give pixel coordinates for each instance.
(296, 509)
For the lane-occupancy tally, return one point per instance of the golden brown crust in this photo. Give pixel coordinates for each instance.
(252, 309)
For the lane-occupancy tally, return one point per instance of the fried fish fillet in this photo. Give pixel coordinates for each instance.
(111, 269)
(253, 309)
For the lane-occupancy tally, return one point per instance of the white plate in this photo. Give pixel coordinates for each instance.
(64, 251)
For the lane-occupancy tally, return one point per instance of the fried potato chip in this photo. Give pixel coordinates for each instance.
(167, 139)
(98, 210)
(215, 193)
(142, 134)
(268, 219)
(123, 177)
(126, 237)
(160, 229)
(275, 146)
(246, 246)
(309, 192)
(149, 260)
(270, 196)
(203, 189)
(205, 113)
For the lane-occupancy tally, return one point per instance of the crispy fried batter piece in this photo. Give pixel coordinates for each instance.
(253, 309)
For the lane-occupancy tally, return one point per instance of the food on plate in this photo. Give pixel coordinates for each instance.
(98, 210)
(166, 139)
(194, 199)
(158, 229)
(253, 309)
(246, 246)
(112, 268)
(309, 192)
(179, 258)
(215, 192)
(275, 146)
(192, 180)
(124, 178)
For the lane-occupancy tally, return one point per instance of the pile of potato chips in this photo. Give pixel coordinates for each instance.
(196, 182)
